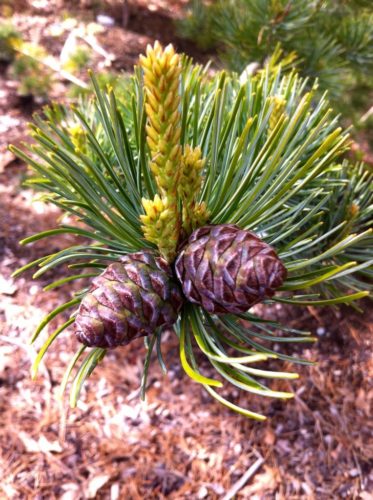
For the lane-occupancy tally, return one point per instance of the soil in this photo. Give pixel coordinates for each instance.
(179, 443)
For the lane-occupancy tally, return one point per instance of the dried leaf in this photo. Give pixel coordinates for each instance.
(46, 445)
(95, 484)
(40, 446)
(7, 286)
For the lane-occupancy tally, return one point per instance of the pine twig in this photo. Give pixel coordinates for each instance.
(125, 14)
(57, 69)
(232, 492)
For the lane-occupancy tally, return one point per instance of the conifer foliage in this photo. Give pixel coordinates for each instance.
(187, 155)
(332, 40)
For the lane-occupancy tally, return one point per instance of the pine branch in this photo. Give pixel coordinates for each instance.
(260, 153)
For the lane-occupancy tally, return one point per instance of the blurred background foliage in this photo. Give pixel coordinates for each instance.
(9, 36)
(327, 40)
(331, 40)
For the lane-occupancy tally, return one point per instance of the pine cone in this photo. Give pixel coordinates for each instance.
(227, 270)
(130, 299)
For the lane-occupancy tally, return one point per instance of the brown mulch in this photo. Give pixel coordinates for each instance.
(41, 22)
(179, 443)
